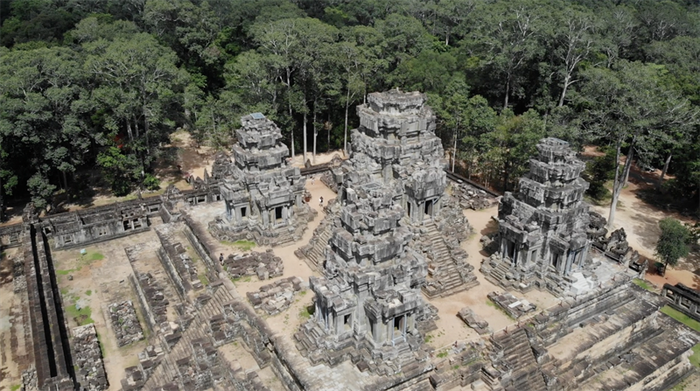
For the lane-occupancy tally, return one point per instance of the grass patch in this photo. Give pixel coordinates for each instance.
(303, 293)
(305, 313)
(82, 316)
(695, 358)
(203, 279)
(642, 284)
(65, 272)
(88, 292)
(496, 306)
(681, 317)
(15, 387)
(428, 338)
(243, 245)
(442, 354)
(92, 256)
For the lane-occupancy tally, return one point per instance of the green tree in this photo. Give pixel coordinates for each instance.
(632, 106)
(598, 172)
(511, 145)
(42, 130)
(120, 170)
(504, 41)
(139, 88)
(673, 242)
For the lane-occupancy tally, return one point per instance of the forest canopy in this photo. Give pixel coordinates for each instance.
(103, 83)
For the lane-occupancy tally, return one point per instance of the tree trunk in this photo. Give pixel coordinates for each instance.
(128, 131)
(618, 183)
(665, 170)
(330, 127)
(2, 201)
(304, 135)
(563, 92)
(505, 102)
(454, 153)
(291, 120)
(628, 168)
(345, 137)
(315, 129)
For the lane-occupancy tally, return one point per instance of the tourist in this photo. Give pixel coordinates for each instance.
(221, 258)
(320, 201)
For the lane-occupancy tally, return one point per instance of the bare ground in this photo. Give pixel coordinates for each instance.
(640, 219)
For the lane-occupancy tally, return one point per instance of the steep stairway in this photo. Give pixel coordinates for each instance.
(446, 276)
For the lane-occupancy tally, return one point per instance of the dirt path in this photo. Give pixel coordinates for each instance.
(641, 223)
(450, 327)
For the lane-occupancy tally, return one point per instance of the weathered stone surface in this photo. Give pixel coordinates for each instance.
(469, 197)
(264, 265)
(276, 297)
(264, 196)
(474, 321)
(125, 324)
(511, 305)
(367, 304)
(542, 237)
(87, 357)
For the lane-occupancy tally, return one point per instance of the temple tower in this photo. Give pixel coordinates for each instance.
(262, 194)
(542, 227)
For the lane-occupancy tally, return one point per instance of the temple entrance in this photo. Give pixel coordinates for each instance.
(244, 211)
(408, 208)
(556, 260)
(278, 214)
(399, 327)
(347, 322)
(429, 207)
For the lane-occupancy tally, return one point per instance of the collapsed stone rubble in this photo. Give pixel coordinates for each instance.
(87, 358)
(470, 197)
(511, 305)
(262, 193)
(474, 321)
(264, 265)
(276, 297)
(125, 324)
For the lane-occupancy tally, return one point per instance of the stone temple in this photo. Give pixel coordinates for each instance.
(263, 195)
(368, 303)
(542, 228)
(396, 148)
(387, 250)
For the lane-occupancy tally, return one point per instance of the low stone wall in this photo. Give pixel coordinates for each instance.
(11, 236)
(683, 299)
(88, 359)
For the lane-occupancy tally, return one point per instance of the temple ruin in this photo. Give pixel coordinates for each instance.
(263, 195)
(392, 245)
(395, 147)
(542, 239)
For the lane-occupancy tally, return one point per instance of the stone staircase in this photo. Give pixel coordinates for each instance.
(314, 253)
(447, 277)
(168, 371)
(518, 355)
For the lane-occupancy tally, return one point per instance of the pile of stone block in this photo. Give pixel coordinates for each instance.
(276, 297)
(474, 321)
(512, 305)
(29, 380)
(87, 358)
(125, 324)
(155, 296)
(469, 197)
(264, 265)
